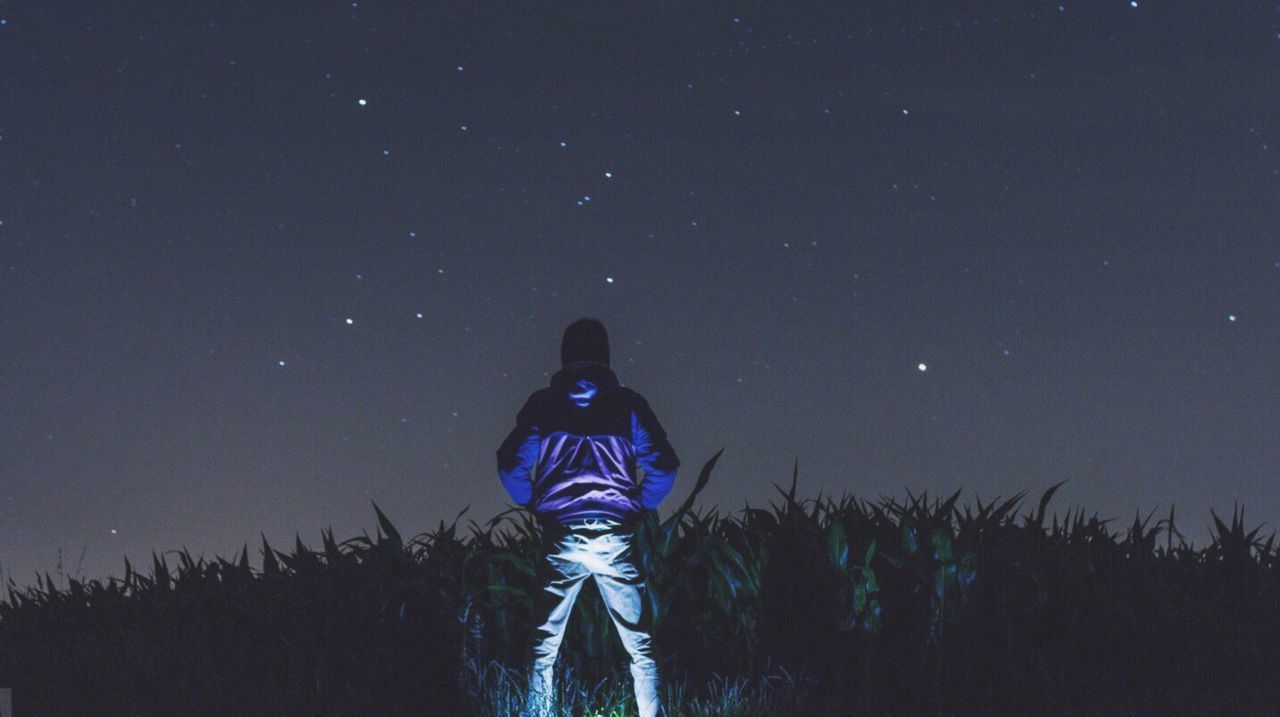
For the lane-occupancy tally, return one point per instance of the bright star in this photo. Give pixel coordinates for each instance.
(281, 362)
(922, 367)
(351, 321)
(362, 102)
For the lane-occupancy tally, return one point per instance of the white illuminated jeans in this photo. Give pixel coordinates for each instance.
(608, 559)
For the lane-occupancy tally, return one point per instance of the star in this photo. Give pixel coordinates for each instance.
(362, 102)
(922, 367)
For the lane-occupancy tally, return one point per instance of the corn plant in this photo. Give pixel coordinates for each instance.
(889, 606)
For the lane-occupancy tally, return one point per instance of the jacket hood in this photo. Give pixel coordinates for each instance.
(585, 340)
(583, 381)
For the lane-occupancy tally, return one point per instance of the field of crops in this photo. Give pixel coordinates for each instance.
(818, 606)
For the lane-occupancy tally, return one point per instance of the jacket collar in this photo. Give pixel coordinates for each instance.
(599, 374)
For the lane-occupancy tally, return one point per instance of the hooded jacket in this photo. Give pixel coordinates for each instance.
(576, 446)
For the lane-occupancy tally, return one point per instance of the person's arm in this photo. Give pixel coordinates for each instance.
(518, 455)
(654, 453)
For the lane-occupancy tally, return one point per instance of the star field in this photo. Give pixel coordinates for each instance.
(261, 265)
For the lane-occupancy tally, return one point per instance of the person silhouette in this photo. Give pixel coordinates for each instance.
(572, 461)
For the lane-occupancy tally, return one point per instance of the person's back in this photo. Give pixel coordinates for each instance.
(572, 460)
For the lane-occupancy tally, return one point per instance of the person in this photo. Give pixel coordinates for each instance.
(572, 460)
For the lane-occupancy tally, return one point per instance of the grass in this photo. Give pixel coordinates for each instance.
(814, 606)
(499, 691)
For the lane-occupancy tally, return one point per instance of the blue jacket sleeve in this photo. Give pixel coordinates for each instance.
(519, 454)
(654, 454)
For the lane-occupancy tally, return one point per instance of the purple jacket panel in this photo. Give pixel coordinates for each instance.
(574, 452)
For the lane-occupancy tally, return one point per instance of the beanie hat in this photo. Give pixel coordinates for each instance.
(585, 340)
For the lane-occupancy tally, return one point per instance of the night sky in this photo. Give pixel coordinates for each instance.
(264, 263)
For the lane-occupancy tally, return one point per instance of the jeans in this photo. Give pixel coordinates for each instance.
(605, 556)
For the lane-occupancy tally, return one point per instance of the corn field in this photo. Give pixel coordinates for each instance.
(817, 606)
